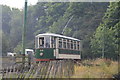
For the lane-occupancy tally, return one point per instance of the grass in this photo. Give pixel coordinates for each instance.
(100, 68)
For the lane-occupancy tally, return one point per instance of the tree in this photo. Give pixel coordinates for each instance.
(52, 17)
(16, 24)
(5, 45)
(6, 17)
(104, 40)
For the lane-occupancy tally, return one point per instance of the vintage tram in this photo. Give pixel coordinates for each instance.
(49, 46)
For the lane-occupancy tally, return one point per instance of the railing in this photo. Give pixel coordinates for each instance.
(51, 69)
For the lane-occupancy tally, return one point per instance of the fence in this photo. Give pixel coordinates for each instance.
(51, 69)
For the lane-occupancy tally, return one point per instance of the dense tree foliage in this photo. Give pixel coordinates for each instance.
(52, 17)
(105, 40)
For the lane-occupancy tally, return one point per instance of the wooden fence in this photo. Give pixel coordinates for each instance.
(51, 69)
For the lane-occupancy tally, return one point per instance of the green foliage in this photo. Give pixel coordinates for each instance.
(18, 48)
(105, 40)
(5, 44)
(58, 26)
(51, 20)
(6, 17)
(16, 24)
(52, 17)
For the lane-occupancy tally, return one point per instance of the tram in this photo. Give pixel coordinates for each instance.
(49, 46)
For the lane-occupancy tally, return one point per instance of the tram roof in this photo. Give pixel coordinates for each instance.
(56, 35)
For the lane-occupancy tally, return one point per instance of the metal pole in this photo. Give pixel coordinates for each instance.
(24, 32)
(103, 49)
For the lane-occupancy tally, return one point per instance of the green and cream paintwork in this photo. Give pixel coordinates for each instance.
(57, 52)
(52, 53)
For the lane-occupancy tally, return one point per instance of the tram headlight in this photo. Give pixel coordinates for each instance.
(41, 54)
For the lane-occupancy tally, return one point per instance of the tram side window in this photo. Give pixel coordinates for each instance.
(60, 43)
(74, 45)
(53, 42)
(68, 44)
(41, 42)
(71, 44)
(78, 45)
(64, 43)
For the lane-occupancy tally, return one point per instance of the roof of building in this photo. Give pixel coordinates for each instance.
(56, 35)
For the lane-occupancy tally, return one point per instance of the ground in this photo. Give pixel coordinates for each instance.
(98, 68)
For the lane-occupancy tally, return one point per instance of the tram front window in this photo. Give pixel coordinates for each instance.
(41, 42)
(47, 42)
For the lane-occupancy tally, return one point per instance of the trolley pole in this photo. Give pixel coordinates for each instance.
(24, 33)
(66, 25)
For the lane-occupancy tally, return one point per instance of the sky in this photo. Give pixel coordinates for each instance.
(17, 3)
(20, 3)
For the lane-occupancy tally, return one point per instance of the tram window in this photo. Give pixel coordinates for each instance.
(53, 42)
(71, 44)
(41, 42)
(47, 42)
(64, 43)
(68, 44)
(74, 45)
(60, 43)
(78, 45)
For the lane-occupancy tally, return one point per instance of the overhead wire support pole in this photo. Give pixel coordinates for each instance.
(24, 32)
(103, 47)
(66, 25)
